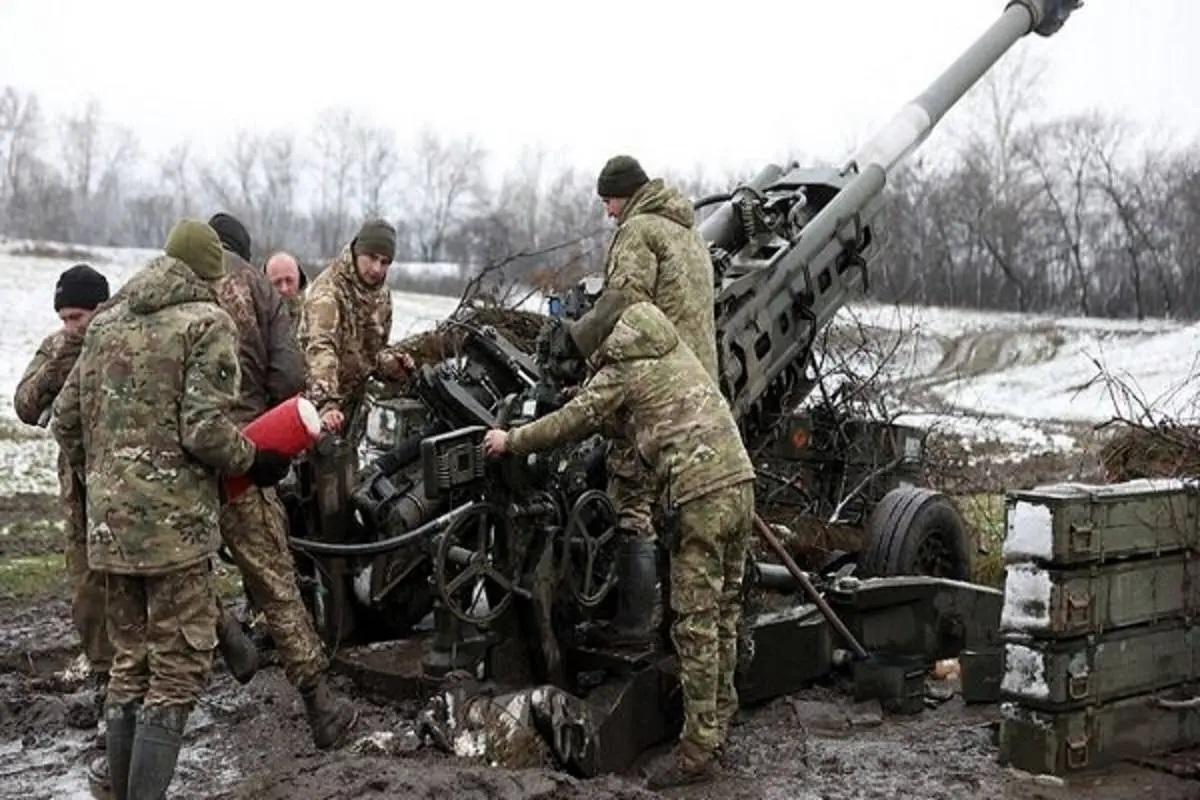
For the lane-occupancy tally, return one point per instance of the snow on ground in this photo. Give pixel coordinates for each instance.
(1025, 381)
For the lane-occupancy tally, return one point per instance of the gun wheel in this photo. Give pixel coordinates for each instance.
(916, 531)
(472, 563)
(589, 541)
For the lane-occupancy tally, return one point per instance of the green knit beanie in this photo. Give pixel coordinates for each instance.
(197, 245)
(622, 176)
(376, 237)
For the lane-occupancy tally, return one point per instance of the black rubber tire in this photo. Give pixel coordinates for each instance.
(902, 522)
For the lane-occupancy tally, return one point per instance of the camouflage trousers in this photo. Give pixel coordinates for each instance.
(87, 585)
(254, 529)
(706, 586)
(632, 488)
(164, 631)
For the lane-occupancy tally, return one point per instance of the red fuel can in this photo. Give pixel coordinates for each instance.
(289, 428)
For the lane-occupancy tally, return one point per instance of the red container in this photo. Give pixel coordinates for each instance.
(290, 428)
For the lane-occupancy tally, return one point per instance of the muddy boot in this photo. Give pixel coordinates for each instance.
(240, 654)
(108, 775)
(637, 592)
(688, 763)
(156, 750)
(329, 717)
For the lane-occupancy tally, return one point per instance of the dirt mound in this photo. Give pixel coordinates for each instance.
(1163, 451)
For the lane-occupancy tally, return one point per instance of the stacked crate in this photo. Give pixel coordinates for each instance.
(1101, 588)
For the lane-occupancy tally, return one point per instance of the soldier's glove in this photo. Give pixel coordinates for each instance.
(269, 468)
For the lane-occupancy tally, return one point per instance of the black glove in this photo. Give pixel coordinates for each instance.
(269, 468)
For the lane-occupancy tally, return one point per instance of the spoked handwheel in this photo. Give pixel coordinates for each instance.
(473, 559)
(589, 541)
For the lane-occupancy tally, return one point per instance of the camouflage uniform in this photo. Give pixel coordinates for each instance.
(656, 255)
(254, 525)
(295, 308)
(41, 383)
(344, 331)
(687, 436)
(144, 415)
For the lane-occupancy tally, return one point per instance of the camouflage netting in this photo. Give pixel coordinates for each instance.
(1161, 451)
(519, 327)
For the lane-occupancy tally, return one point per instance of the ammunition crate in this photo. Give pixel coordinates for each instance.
(1059, 743)
(1057, 604)
(1067, 674)
(1072, 524)
(981, 672)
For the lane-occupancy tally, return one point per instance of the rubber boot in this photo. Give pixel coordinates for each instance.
(240, 654)
(637, 592)
(330, 717)
(156, 750)
(108, 775)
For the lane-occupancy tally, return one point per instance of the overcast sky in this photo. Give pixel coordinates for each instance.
(666, 80)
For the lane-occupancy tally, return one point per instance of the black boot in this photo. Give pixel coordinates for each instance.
(637, 592)
(240, 654)
(156, 750)
(329, 717)
(108, 775)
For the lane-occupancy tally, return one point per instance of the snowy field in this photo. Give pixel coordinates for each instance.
(1022, 381)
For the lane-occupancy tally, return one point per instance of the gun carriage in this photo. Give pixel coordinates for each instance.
(514, 558)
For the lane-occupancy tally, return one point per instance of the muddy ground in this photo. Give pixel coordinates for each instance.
(252, 741)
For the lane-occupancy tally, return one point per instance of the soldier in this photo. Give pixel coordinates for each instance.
(345, 325)
(701, 469)
(284, 272)
(254, 525)
(656, 255)
(143, 417)
(77, 294)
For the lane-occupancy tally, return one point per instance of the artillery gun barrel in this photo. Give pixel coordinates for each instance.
(910, 127)
(914, 122)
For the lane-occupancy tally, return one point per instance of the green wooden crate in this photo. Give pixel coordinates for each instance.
(1072, 524)
(1055, 604)
(1064, 742)
(1062, 674)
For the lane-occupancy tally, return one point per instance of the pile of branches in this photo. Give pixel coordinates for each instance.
(1163, 450)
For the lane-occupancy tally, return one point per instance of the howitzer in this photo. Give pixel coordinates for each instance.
(514, 557)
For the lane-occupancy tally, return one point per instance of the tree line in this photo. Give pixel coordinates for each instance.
(1005, 209)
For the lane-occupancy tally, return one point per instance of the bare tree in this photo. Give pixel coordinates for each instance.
(443, 180)
(336, 155)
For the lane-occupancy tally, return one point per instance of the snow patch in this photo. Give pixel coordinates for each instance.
(1027, 594)
(1024, 672)
(1030, 531)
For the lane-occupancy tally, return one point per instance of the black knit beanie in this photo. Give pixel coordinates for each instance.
(233, 234)
(622, 176)
(80, 287)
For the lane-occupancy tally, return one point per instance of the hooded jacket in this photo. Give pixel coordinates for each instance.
(682, 425)
(143, 417)
(657, 255)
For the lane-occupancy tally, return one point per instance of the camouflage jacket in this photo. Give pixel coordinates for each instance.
(657, 255)
(271, 364)
(41, 383)
(344, 329)
(295, 307)
(45, 375)
(683, 427)
(144, 417)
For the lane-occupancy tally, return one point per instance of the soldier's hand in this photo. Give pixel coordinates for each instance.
(395, 365)
(333, 420)
(269, 468)
(495, 442)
